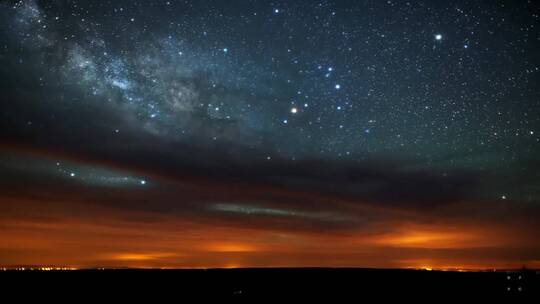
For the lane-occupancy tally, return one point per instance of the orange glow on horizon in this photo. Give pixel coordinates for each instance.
(230, 247)
(75, 234)
(438, 237)
(139, 256)
(81, 243)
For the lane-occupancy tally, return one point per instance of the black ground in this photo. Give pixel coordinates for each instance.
(272, 282)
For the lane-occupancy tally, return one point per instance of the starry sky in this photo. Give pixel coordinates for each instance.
(270, 133)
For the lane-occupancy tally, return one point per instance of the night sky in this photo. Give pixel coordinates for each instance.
(255, 133)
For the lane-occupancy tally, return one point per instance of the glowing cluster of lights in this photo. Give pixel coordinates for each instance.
(38, 268)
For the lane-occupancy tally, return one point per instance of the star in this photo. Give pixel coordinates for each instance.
(294, 110)
(438, 37)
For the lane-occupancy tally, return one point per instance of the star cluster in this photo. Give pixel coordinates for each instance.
(407, 78)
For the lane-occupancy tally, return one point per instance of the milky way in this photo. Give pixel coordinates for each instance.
(307, 116)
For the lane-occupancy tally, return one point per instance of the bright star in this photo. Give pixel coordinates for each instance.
(338, 86)
(438, 37)
(294, 110)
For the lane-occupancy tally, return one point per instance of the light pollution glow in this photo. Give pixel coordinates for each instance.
(76, 234)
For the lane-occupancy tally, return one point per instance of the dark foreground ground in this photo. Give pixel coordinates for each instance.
(271, 282)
